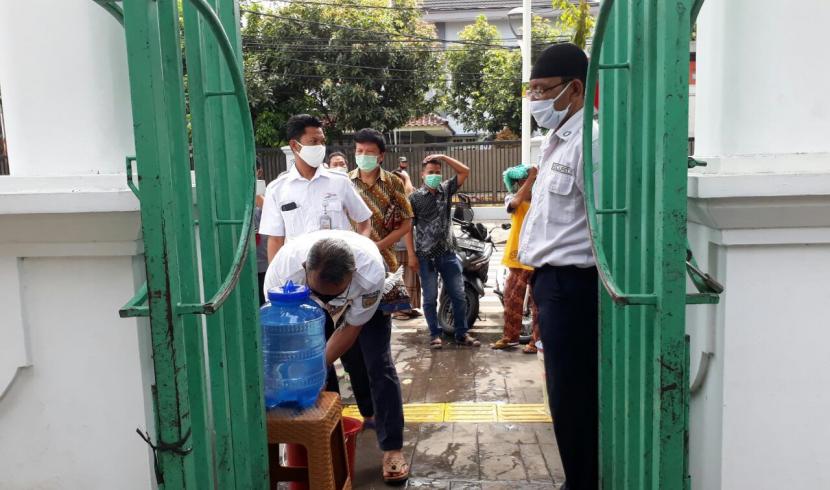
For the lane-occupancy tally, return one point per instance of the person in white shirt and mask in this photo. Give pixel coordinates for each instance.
(308, 197)
(555, 241)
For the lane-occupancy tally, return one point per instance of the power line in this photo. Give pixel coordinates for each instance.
(330, 4)
(408, 36)
(384, 80)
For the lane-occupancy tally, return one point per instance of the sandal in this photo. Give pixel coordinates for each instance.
(436, 343)
(400, 315)
(504, 343)
(468, 341)
(395, 469)
(530, 348)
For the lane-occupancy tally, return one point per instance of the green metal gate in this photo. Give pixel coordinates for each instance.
(637, 217)
(190, 110)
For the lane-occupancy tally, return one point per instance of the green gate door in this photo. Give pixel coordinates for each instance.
(200, 295)
(637, 216)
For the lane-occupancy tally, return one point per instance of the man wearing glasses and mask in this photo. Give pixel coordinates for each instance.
(345, 273)
(555, 241)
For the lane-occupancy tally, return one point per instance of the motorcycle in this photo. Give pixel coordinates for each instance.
(501, 281)
(473, 246)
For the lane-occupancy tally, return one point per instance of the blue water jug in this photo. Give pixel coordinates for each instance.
(293, 347)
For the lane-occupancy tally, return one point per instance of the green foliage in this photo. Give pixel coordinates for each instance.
(576, 19)
(492, 101)
(352, 67)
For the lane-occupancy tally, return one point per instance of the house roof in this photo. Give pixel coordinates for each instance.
(429, 123)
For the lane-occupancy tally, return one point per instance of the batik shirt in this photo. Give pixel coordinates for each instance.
(433, 233)
(387, 191)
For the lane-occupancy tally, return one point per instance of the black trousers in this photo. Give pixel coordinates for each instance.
(567, 298)
(374, 379)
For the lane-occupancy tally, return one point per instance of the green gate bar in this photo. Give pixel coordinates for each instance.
(637, 218)
(210, 419)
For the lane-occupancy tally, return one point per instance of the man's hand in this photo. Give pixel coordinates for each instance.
(532, 172)
(340, 341)
(412, 262)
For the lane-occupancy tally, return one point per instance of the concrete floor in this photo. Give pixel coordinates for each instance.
(464, 455)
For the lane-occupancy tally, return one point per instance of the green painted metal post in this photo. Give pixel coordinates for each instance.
(208, 383)
(637, 218)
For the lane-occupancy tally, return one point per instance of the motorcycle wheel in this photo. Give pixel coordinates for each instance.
(445, 318)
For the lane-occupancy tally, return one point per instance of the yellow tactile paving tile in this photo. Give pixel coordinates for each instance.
(470, 412)
(467, 412)
(423, 412)
(532, 412)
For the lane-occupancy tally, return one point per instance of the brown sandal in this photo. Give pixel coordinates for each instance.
(529, 348)
(395, 469)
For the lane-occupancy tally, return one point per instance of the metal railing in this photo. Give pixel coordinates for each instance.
(486, 160)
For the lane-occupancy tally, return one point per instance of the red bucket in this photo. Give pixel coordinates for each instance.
(297, 457)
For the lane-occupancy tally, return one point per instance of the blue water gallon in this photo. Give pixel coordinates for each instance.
(293, 347)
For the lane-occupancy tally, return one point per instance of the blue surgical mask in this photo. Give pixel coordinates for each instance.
(432, 181)
(367, 163)
(545, 113)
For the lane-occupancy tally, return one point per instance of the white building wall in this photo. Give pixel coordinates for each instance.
(760, 216)
(72, 386)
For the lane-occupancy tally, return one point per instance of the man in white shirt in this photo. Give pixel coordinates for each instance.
(555, 241)
(308, 197)
(345, 273)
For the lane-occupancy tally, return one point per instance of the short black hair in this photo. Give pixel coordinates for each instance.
(336, 154)
(332, 258)
(295, 127)
(566, 60)
(369, 135)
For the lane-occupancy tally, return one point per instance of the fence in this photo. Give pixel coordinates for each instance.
(486, 160)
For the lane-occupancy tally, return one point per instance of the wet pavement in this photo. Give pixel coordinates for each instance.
(466, 455)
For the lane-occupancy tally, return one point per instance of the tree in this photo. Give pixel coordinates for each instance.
(492, 101)
(575, 18)
(357, 64)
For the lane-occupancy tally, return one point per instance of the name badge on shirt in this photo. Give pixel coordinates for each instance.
(562, 169)
(325, 222)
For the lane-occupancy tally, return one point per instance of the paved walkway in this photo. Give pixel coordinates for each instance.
(467, 455)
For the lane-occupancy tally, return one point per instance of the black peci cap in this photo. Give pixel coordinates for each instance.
(564, 60)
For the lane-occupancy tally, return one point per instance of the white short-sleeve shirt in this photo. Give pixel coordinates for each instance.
(294, 206)
(555, 230)
(365, 291)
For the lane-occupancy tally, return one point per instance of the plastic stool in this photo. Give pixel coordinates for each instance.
(320, 430)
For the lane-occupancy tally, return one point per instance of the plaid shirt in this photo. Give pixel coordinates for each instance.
(387, 191)
(433, 233)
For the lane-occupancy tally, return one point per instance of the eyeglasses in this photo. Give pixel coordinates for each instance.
(539, 93)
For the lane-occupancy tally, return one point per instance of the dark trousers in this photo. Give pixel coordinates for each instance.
(567, 298)
(374, 379)
(261, 282)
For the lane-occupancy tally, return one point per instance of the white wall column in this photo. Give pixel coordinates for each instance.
(760, 221)
(74, 377)
(66, 99)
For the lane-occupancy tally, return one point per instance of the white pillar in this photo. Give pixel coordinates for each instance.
(760, 221)
(527, 16)
(63, 77)
(74, 377)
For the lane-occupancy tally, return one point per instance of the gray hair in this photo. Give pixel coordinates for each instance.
(332, 259)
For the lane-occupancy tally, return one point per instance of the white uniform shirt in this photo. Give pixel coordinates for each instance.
(555, 231)
(294, 206)
(364, 292)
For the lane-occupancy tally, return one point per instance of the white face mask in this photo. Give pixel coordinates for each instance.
(545, 114)
(313, 156)
(339, 169)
